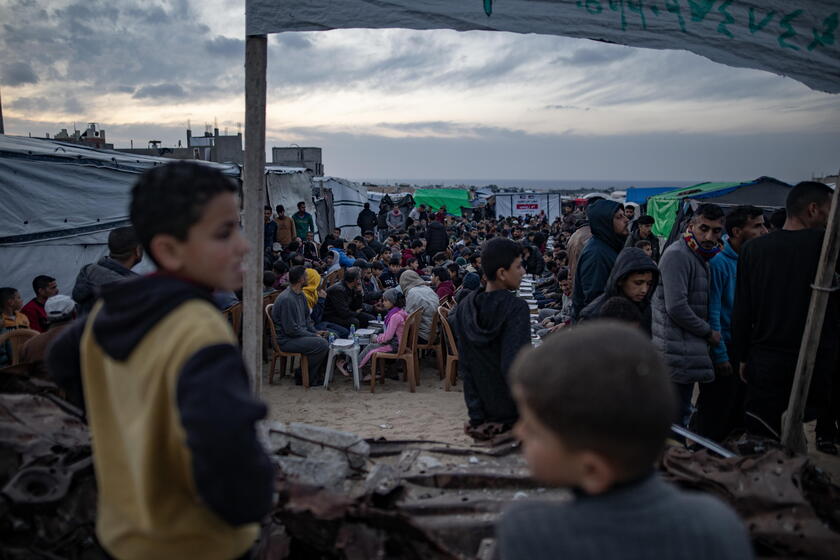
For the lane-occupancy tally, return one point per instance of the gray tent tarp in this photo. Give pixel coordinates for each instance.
(59, 203)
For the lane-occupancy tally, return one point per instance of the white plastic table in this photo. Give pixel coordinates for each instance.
(346, 347)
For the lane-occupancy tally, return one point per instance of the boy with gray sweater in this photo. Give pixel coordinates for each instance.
(596, 422)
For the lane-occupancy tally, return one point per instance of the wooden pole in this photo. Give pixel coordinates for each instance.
(254, 200)
(793, 436)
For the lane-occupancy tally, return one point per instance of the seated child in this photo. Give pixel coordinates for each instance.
(388, 341)
(179, 470)
(597, 422)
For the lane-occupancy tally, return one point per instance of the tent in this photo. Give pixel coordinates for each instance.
(640, 195)
(60, 200)
(453, 199)
(765, 192)
(347, 200)
(529, 204)
(664, 207)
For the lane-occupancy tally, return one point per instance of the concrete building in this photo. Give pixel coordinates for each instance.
(90, 137)
(219, 148)
(295, 156)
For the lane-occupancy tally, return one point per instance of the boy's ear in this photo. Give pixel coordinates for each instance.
(597, 474)
(167, 251)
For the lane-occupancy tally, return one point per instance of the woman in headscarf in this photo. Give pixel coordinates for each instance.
(316, 299)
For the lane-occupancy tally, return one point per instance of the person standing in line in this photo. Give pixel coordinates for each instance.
(681, 328)
(286, 229)
(609, 231)
(269, 229)
(768, 319)
(643, 232)
(303, 221)
(720, 404)
(367, 219)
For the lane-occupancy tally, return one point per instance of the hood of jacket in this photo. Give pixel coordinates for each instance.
(436, 226)
(601, 223)
(132, 308)
(410, 279)
(480, 314)
(629, 260)
(94, 275)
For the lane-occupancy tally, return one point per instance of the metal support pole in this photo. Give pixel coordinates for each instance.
(254, 200)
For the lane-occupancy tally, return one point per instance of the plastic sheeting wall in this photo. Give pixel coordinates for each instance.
(288, 189)
(522, 204)
(348, 199)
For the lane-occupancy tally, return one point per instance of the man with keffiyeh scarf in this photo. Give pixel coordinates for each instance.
(681, 327)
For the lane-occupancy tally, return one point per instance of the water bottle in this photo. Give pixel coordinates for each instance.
(332, 338)
(353, 332)
(379, 318)
(355, 340)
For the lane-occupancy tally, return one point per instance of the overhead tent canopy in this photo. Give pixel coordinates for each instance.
(60, 200)
(795, 38)
(640, 195)
(453, 199)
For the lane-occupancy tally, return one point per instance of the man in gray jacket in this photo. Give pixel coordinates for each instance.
(295, 329)
(124, 251)
(681, 327)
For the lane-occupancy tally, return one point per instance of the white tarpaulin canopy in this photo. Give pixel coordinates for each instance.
(796, 38)
(519, 205)
(348, 199)
(60, 201)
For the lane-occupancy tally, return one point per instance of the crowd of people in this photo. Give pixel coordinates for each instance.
(705, 333)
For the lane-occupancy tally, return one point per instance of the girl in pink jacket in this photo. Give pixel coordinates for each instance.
(389, 341)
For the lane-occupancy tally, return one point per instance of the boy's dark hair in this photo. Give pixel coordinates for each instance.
(394, 261)
(377, 265)
(6, 295)
(621, 309)
(561, 255)
(642, 243)
(416, 243)
(439, 256)
(590, 399)
(279, 267)
(302, 202)
(410, 260)
(499, 253)
(122, 242)
(298, 260)
(170, 199)
(41, 282)
(296, 273)
(453, 269)
(441, 273)
(563, 274)
(269, 278)
(368, 232)
(778, 218)
(709, 211)
(739, 216)
(293, 247)
(359, 238)
(473, 257)
(280, 208)
(267, 207)
(804, 194)
(646, 220)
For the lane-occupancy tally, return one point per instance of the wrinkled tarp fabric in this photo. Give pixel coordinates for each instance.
(453, 199)
(796, 38)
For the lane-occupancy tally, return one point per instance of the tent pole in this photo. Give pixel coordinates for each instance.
(254, 200)
(793, 436)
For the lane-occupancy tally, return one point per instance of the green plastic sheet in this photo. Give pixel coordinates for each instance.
(453, 199)
(664, 207)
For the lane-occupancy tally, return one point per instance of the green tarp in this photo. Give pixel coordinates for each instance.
(664, 207)
(453, 199)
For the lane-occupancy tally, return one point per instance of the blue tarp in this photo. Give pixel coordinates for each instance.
(640, 195)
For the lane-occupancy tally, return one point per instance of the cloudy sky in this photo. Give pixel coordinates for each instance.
(394, 104)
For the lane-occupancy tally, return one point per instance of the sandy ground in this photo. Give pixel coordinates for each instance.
(392, 412)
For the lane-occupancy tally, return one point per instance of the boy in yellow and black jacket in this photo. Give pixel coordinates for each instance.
(179, 469)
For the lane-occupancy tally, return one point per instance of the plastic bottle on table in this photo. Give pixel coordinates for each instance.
(332, 338)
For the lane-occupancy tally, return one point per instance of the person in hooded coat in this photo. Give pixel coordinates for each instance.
(634, 276)
(436, 238)
(609, 232)
(419, 296)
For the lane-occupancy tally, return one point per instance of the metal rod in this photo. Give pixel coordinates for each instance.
(705, 442)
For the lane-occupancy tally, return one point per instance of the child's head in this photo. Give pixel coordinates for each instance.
(645, 246)
(280, 268)
(412, 263)
(187, 217)
(637, 284)
(269, 278)
(10, 300)
(393, 298)
(440, 274)
(394, 265)
(501, 260)
(591, 419)
(376, 269)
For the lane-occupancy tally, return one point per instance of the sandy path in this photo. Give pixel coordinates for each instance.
(391, 412)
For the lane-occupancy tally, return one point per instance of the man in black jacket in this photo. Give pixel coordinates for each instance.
(345, 301)
(367, 219)
(125, 251)
(437, 239)
(491, 327)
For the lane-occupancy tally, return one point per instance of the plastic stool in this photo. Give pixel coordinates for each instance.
(346, 347)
